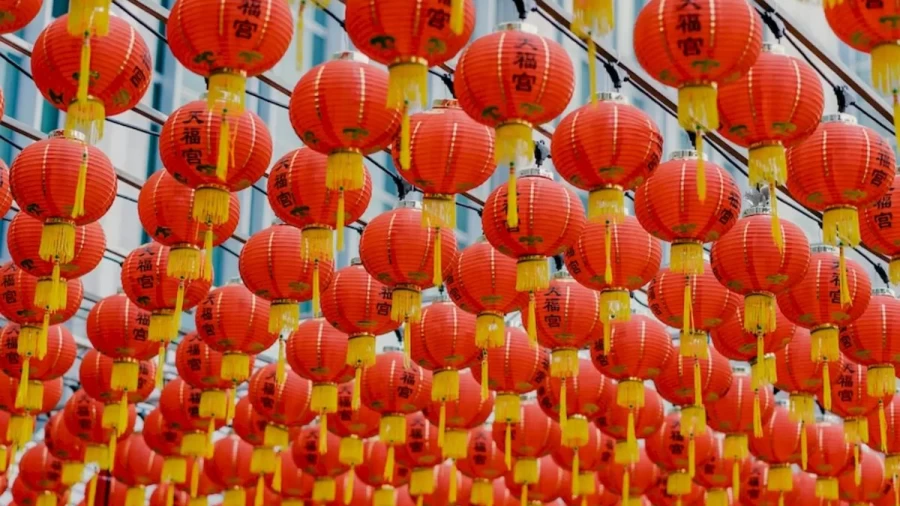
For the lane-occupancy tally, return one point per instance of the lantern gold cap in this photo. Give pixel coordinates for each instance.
(441, 297)
(356, 261)
(350, 56)
(236, 281)
(773, 48)
(823, 248)
(612, 96)
(761, 209)
(739, 368)
(839, 117)
(445, 103)
(536, 172)
(686, 154)
(883, 290)
(74, 135)
(392, 348)
(562, 274)
(516, 26)
(782, 402)
(409, 204)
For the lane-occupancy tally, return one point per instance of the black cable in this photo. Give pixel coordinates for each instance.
(260, 190)
(140, 21)
(267, 100)
(126, 197)
(334, 16)
(105, 257)
(869, 115)
(10, 142)
(229, 250)
(132, 127)
(16, 65)
(808, 60)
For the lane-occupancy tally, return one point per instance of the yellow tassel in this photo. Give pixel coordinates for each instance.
(361, 351)
(438, 211)
(563, 415)
(880, 380)
(406, 303)
(351, 451)
(235, 367)
(422, 481)
(759, 315)
(777, 235)
(323, 434)
(697, 109)
(84, 70)
(213, 404)
(526, 470)
(348, 486)
(80, 187)
(718, 497)
(840, 226)
(57, 241)
(389, 465)
(91, 16)
(193, 444)
(50, 294)
(512, 199)
(507, 450)
(630, 435)
(896, 113)
(235, 497)
(827, 488)
(356, 388)
(767, 165)
(524, 498)
(457, 21)
(678, 483)
(687, 309)
(437, 279)
(452, 494)
(161, 325)
(345, 170)
(316, 306)
(442, 424)
(258, 499)
(275, 436)
(195, 478)
(71, 472)
(630, 394)
(592, 68)
(576, 469)
(607, 250)
(160, 365)
(298, 36)
(485, 379)
(626, 484)
(22, 390)
(802, 408)
(532, 320)
(882, 426)
(279, 367)
(407, 85)
(896, 483)
(515, 145)
(277, 475)
(383, 497)
(208, 254)
(804, 459)
(212, 206)
(92, 490)
(125, 375)
(845, 287)
(606, 204)
(4, 463)
(184, 262)
(490, 330)
(625, 454)
(757, 416)
(826, 387)
(698, 384)
(405, 156)
(226, 92)
(780, 478)
(736, 478)
(34, 401)
(701, 173)
(456, 444)
(174, 469)
(692, 456)
(341, 217)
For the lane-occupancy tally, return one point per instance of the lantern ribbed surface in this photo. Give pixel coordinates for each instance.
(249, 424)
(733, 412)
(231, 319)
(19, 14)
(675, 382)
(346, 422)
(390, 388)
(642, 476)
(17, 302)
(24, 244)
(357, 303)
(95, 374)
(318, 352)
(711, 302)
(851, 398)
(639, 348)
(517, 367)
(200, 365)
(829, 452)
(179, 403)
(61, 443)
(84, 416)
(444, 338)
(371, 471)
(147, 284)
(667, 448)
(534, 435)
(550, 480)
(873, 480)
(53, 390)
(647, 418)
(568, 314)
(873, 338)
(60, 355)
(634, 255)
(287, 404)
(734, 341)
(780, 439)
(588, 394)
(230, 463)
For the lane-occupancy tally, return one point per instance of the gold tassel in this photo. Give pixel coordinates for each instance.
(260, 491)
(576, 468)
(279, 367)
(757, 416)
(348, 486)
(195, 478)
(316, 305)
(298, 36)
(22, 390)
(357, 378)
(174, 469)
(208, 252)
(698, 384)
(826, 387)
(125, 375)
(179, 309)
(880, 380)
(224, 148)
(323, 434)
(437, 279)
(5, 457)
(592, 68)
(532, 320)
(507, 450)
(275, 436)
(170, 495)
(692, 456)
(92, 490)
(81, 185)
(277, 475)
(626, 484)
(452, 495)
(631, 442)
(457, 19)
(405, 155)
(485, 379)
(697, 108)
(804, 459)
(736, 478)
(160, 365)
(687, 309)
(840, 226)
(563, 415)
(845, 286)
(389, 465)
(701, 173)
(524, 498)
(777, 235)
(57, 241)
(512, 198)
(607, 250)
(896, 119)
(882, 426)
(341, 217)
(442, 424)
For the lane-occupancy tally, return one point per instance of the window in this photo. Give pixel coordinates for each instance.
(59, 8)
(585, 82)
(11, 92)
(389, 186)
(506, 11)
(320, 17)
(318, 49)
(463, 215)
(49, 118)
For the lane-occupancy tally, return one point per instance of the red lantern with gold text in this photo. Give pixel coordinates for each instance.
(84, 418)
(756, 488)
(31, 371)
(890, 444)
(829, 456)
(371, 472)
(548, 485)
(843, 290)
(165, 440)
(299, 196)
(456, 418)
(393, 35)
(40, 471)
(397, 251)
(740, 414)
(91, 73)
(726, 39)
(137, 466)
(352, 424)
(659, 494)
(318, 352)
(515, 54)
(589, 460)
(295, 484)
(841, 168)
(627, 424)
(198, 148)
(604, 169)
(533, 436)
(877, 231)
(421, 453)
(451, 488)
(200, 366)
(767, 270)
(66, 447)
(17, 15)
(229, 466)
(164, 208)
(324, 466)
(779, 446)
(483, 282)
(443, 341)
(179, 403)
(484, 463)
(631, 481)
(867, 482)
(285, 405)
(148, 285)
(360, 306)
(232, 320)
(340, 109)
(718, 474)
(249, 424)
(626, 261)
(638, 350)
(6, 197)
(871, 339)
(24, 244)
(394, 390)
(20, 427)
(734, 341)
(23, 495)
(206, 484)
(552, 219)
(668, 450)
(778, 81)
(515, 369)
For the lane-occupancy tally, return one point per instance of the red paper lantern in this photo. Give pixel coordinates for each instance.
(659, 494)
(6, 197)
(340, 108)
(721, 44)
(84, 417)
(779, 446)
(589, 460)
(180, 405)
(646, 420)
(353, 424)
(23, 495)
(762, 111)
(165, 440)
(627, 264)
(483, 282)
(200, 366)
(484, 463)
(20, 426)
(164, 208)
(870, 341)
(552, 219)
(230, 466)
(460, 416)
(295, 484)
(66, 447)
(718, 474)
(324, 466)
(889, 445)
(733, 340)
(39, 470)
(546, 488)
(397, 251)
(360, 306)
(450, 487)
(32, 371)
(299, 196)
(17, 15)
(829, 456)
(877, 231)
(137, 466)
(444, 169)
(286, 404)
(120, 71)
(249, 424)
(866, 483)
(503, 81)
(372, 471)
(756, 487)
(530, 440)
(867, 168)
(668, 450)
(421, 453)
(631, 481)
(160, 496)
(843, 290)
(234, 321)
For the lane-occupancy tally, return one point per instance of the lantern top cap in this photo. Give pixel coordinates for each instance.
(883, 290)
(236, 281)
(350, 56)
(441, 297)
(773, 48)
(536, 172)
(761, 209)
(562, 274)
(277, 221)
(516, 26)
(612, 96)
(686, 154)
(782, 402)
(409, 204)
(356, 261)
(388, 349)
(739, 368)
(823, 248)
(839, 117)
(445, 103)
(74, 135)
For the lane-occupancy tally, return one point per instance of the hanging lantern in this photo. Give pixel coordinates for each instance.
(353, 425)
(397, 251)
(394, 391)
(443, 341)
(515, 369)
(756, 488)
(450, 488)
(779, 446)
(631, 481)
(583, 156)
(733, 340)
(84, 418)
(299, 196)
(17, 305)
(840, 168)
(778, 81)
(160, 496)
(552, 219)
(137, 466)
(719, 45)
(200, 366)
(531, 439)
(588, 457)
(626, 261)
(165, 440)
(24, 244)
(668, 450)
(22, 494)
(392, 35)
(829, 455)
(31, 371)
(421, 453)
(6, 197)
(41, 472)
(120, 330)
(234, 321)
(510, 90)
(870, 340)
(659, 494)
(372, 472)
(229, 466)
(877, 231)
(739, 414)
(638, 350)
(483, 282)
(460, 416)
(843, 290)
(339, 108)
(318, 352)
(889, 444)
(719, 474)
(206, 485)
(865, 483)
(601, 496)
(360, 306)
(180, 406)
(6, 443)
(547, 486)
(148, 285)
(628, 424)
(66, 447)
(296, 485)
(20, 427)
(164, 208)
(17, 15)
(484, 464)
(91, 74)
(249, 424)
(324, 466)
(285, 405)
